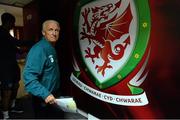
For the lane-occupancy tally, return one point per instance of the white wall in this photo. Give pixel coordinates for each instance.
(16, 11)
(1, 12)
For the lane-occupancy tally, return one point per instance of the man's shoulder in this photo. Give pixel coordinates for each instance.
(38, 44)
(37, 47)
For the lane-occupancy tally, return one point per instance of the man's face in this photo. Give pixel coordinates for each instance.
(51, 32)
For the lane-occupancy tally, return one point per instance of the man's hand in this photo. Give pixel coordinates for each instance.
(50, 99)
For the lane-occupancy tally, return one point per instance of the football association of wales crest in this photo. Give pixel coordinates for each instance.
(111, 43)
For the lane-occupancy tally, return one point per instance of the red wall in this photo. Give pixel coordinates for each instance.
(164, 65)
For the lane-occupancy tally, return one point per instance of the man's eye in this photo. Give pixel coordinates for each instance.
(50, 29)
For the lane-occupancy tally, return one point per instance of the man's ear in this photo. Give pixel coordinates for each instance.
(43, 33)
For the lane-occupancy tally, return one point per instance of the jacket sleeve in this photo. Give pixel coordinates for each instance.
(33, 72)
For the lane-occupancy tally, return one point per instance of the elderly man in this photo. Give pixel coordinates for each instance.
(41, 72)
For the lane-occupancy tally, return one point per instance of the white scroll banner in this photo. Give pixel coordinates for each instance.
(126, 100)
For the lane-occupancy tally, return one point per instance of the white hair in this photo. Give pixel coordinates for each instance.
(48, 21)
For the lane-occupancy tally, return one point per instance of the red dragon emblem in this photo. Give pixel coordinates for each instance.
(104, 28)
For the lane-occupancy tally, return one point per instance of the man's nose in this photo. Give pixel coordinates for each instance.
(54, 32)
